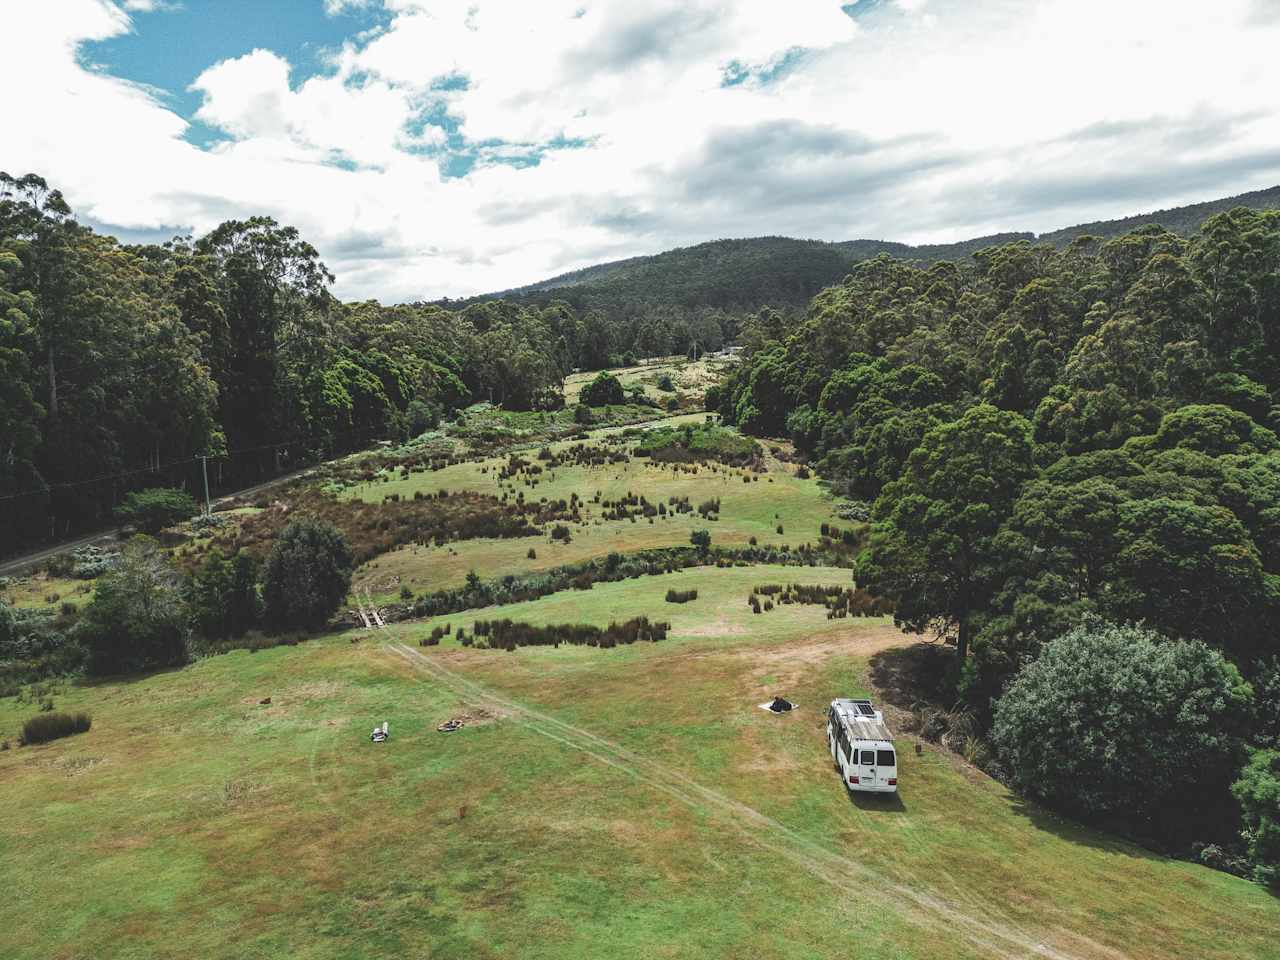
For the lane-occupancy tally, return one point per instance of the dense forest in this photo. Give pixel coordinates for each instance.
(1045, 438)
(1044, 433)
(741, 276)
(121, 366)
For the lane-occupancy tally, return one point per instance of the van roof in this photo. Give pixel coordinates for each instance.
(861, 720)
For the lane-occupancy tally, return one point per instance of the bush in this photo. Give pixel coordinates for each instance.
(222, 596)
(136, 620)
(532, 554)
(701, 539)
(603, 390)
(306, 577)
(666, 384)
(1104, 721)
(681, 596)
(90, 562)
(582, 414)
(508, 635)
(1258, 793)
(154, 509)
(44, 727)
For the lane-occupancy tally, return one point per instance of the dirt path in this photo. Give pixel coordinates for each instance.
(976, 923)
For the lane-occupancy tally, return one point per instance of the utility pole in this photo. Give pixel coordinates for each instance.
(204, 469)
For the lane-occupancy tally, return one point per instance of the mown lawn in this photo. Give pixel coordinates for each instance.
(195, 821)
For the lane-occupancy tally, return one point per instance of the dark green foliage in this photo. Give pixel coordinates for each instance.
(137, 620)
(44, 727)
(1258, 793)
(681, 596)
(34, 646)
(222, 597)
(306, 577)
(1118, 722)
(666, 384)
(692, 443)
(506, 635)
(933, 548)
(840, 602)
(605, 389)
(153, 510)
(701, 539)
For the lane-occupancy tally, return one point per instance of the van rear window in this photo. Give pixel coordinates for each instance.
(885, 758)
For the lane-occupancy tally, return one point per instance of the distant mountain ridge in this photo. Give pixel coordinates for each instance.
(746, 274)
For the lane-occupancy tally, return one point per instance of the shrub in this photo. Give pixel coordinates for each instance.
(90, 562)
(1104, 720)
(405, 592)
(154, 509)
(306, 577)
(666, 384)
(561, 532)
(508, 635)
(136, 620)
(1258, 793)
(582, 414)
(532, 554)
(681, 596)
(50, 726)
(222, 596)
(701, 539)
(603, 390)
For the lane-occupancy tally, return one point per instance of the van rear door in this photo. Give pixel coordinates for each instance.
(866, 766)
(887, 767)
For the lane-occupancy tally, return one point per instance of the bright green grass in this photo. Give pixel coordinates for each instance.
(192, 821)
(690, 378)
(750, 509)
(44, 592)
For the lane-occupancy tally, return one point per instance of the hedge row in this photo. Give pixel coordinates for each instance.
(614, 567)
(507, 634)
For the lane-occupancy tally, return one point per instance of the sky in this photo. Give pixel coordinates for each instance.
(433, 148)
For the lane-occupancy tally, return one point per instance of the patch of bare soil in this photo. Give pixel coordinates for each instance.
(789, 662)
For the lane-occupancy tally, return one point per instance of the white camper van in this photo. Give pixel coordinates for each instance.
(862, 746)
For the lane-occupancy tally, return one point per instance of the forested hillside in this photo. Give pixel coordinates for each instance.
(1046, 434)
(1050, 443)
(121, 366)
(737, 276)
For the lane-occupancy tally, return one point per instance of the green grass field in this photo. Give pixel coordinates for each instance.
(42, 591)
(754, 508)
(690, 378)
(628, 803)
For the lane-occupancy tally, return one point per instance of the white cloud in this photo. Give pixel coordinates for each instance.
(912, 122)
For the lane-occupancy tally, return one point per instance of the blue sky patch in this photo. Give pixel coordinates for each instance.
(171, 46)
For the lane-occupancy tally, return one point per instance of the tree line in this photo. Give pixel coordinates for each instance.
(121, 365)
(1051, 441)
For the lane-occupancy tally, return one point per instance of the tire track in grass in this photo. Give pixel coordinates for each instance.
(991, 938)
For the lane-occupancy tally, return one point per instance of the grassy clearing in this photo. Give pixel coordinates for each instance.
(43, 591)
(193, 820)
(690, 378)
(748, 509)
